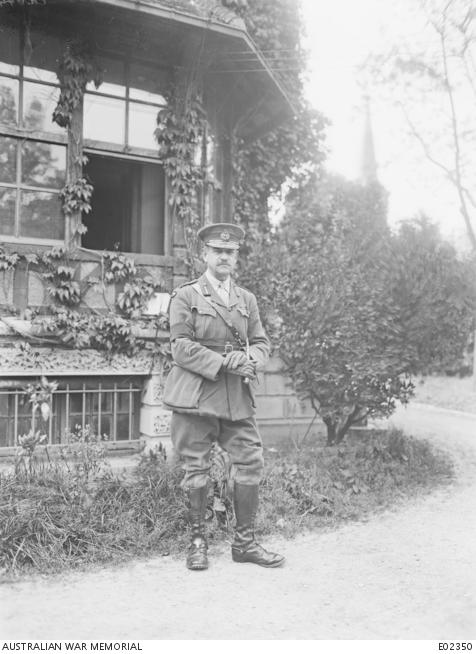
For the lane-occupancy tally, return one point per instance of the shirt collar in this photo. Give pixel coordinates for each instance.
(216, 282)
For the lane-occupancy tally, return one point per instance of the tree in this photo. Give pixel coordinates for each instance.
(432, 78)
(339, 338)
(360, 309)
(434, 292)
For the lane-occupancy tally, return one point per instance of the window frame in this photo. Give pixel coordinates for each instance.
(20, 186)
(61, 409)
(125, 148)
(22, 133)
(127, 152)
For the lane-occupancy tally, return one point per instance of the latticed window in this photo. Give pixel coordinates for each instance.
(109, 409)
(32, 146)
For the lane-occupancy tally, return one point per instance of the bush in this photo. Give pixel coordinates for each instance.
(52, 519)
(338, 334)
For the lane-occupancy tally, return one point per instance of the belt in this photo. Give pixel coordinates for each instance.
(222, 348)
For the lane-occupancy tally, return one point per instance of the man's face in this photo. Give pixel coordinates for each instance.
(220, 261)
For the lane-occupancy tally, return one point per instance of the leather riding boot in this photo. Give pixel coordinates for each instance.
(244, 548)
(197, 551)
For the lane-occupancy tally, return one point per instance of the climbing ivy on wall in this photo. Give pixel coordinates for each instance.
(179, 133)
(76, 69)
(68, 319)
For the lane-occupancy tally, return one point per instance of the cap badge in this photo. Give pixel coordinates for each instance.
(225, 236)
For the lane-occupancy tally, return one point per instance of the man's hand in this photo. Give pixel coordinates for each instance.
(234, 359)
(245, 370)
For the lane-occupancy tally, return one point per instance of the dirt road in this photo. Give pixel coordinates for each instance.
(407, 574)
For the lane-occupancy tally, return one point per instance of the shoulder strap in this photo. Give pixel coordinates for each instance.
(226, 320)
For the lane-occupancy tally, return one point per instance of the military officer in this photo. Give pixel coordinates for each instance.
(218, 344)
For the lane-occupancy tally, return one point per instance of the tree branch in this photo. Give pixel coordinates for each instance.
(457, 148)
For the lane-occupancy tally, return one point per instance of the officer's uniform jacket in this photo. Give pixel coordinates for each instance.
(197, 383)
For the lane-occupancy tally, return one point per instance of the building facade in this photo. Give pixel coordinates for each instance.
(88, 215)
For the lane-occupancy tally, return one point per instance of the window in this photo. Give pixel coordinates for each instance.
(123, 110)
(127, 205)
(32, 174)
(110, 408)
(32, 147)
(119, 121)
(120, 117)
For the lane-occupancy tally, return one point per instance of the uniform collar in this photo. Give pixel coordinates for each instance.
(216, 282)
(209, 289)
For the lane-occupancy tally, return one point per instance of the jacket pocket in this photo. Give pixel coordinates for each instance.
(244, 311)
(182, 389)
(204, 320)
(204, 310)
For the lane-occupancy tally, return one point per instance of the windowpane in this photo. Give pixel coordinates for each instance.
(142, 124)
(104, 119)
(8, 159)
(39, 102)
(4, 404)
(106, 402)
(42, 61)
(4, 430)
(24, 426)
(43, 164)
(123, 401)
(106, 426)
(76, 403)
(4, 420)
(40, 215)
(92, 421)
(56, 427)
(9, 93)
(113, 78)
(9, 50)
(147, 84)
(7, 211)
(122, 427)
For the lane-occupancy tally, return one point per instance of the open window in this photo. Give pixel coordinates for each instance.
(127, 205)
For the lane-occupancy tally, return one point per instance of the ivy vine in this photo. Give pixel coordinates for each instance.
(77, 327)
(76, 69)
(76, 198)
(179, 133)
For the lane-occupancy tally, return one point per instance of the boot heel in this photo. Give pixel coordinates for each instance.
(257, 554)
(238, 556)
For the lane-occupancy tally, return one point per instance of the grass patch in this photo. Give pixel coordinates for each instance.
(320, 487)
(458, 393)
(71, 512)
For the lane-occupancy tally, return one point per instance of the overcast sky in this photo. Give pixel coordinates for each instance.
(342, 33)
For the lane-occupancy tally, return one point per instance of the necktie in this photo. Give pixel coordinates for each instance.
(223, 293)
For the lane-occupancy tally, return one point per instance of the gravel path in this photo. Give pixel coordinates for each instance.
(406, 574)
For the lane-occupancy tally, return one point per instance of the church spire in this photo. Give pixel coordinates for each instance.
(368, 172)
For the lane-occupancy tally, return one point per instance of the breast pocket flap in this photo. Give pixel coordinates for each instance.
(204, 310)
(244, 311)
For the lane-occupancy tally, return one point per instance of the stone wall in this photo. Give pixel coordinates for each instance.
(279, 412)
